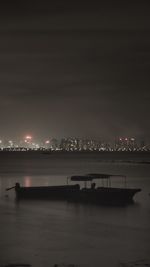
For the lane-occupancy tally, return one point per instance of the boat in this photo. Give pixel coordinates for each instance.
(105, 194)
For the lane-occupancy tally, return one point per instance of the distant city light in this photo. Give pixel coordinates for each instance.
(47, 142)
(28, 137)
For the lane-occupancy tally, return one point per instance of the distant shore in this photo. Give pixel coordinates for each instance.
(73, 152)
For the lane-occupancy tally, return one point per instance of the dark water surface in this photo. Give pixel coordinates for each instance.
(44, 233)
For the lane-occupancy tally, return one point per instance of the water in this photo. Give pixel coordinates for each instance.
(44, 233)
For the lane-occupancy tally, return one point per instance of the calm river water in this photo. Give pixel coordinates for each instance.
(47, 233)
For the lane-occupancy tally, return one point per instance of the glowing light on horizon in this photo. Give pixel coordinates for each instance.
(28, 137)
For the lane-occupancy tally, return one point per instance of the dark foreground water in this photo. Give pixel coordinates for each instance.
(46, 233)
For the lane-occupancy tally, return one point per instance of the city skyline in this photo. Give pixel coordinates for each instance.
(75, 144)
(75, 69)
(29, 137)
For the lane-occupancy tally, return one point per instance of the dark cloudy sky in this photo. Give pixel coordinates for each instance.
(75, 68)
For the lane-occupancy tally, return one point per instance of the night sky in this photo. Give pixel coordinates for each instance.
(75, 68)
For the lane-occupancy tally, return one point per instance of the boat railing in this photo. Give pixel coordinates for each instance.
(107, 177)
(106, 180)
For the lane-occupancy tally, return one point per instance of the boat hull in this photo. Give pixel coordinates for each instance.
(103, 195)
(100, 195)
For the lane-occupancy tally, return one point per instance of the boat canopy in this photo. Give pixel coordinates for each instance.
(81, 178)
(103, 175)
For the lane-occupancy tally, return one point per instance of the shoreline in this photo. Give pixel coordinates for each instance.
(73, 152)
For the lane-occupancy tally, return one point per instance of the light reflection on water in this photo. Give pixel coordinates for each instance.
(27, 181)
